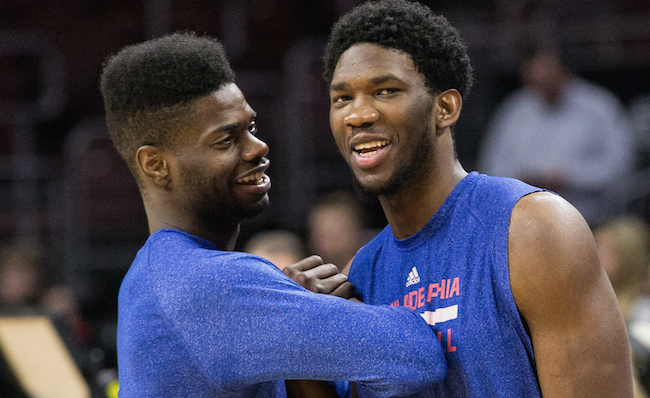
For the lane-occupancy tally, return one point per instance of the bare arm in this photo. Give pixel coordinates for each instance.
(579, 337)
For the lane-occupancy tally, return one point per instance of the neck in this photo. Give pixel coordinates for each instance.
(410, 209)
(223, 235)
(552, 95)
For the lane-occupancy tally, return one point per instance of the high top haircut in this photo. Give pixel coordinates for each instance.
(148, 89)
(434, 45)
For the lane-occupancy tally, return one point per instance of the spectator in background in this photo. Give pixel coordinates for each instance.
(22, 276)
(24, 285)
(335, 228)
(280, 247)
(560, 132)
(623, 247)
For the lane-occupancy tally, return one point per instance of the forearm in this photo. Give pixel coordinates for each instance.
(261, 326)
(302, 335)
(389, 350)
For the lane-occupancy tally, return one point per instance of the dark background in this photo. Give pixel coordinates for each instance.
(62, 184)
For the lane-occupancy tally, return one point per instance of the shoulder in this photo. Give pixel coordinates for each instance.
(543, 218)
(184, 263)
(550, 249)
(493, 198)
(545, 225)
(500, 187)
(565, 298)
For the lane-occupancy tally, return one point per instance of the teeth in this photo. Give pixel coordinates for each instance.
(257, 177)
(374, 144)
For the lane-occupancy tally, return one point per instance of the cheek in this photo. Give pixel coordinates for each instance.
(338, 131)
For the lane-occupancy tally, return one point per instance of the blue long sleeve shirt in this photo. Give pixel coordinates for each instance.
(196, 321)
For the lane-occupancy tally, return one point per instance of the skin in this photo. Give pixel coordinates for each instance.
(562, 293)
(378, 95)
(196, 185)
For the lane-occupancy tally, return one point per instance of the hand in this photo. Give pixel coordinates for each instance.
(312, 274)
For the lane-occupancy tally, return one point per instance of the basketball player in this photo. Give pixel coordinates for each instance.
(505, 273)
(195, 318)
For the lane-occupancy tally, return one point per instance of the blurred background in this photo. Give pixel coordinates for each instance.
(70, 212)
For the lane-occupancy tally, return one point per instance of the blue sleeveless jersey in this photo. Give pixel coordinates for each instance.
(454, 273)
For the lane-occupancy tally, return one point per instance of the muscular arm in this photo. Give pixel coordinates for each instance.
(579, 337)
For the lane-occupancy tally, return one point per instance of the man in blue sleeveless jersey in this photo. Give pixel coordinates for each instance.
(195, 318)
(506, 274)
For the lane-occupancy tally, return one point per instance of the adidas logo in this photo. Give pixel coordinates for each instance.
(413, 277)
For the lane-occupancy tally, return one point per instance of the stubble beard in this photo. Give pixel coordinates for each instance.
(404, 173)
(215, 206)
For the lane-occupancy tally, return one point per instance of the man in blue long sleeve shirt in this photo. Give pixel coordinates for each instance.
(196, 319)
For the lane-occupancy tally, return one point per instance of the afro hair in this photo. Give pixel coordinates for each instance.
(434, 45)
(148, 88)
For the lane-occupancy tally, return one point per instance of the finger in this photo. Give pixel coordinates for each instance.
(345, 290)
(329, 285)
(322, 271)
(324, 286)
(293, 270)
(307, 263)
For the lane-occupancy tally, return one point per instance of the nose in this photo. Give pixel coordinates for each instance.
(362, 114)
(255, 150)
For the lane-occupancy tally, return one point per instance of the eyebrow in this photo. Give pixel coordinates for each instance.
(384, 78)
(375, 80)
(338, 86)
(226, 127)
(232, 126)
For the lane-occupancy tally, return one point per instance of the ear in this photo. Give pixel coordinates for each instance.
(447, 108)
(153, 166)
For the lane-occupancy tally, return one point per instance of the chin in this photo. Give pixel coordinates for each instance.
(372, 184)
(367, 193)
(256, 209)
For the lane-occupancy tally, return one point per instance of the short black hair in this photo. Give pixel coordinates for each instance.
(434, 45)
(148, 88)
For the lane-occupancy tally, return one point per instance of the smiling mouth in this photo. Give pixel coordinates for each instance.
(253, 179)
(369, 148)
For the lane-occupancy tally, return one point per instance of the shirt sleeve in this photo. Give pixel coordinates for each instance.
(246, 322)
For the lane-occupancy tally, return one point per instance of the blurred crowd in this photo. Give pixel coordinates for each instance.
(557, 130)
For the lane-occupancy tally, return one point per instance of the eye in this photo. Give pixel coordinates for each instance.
(340, 100)
(252, 127)
(387, 91)
(225, 141)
